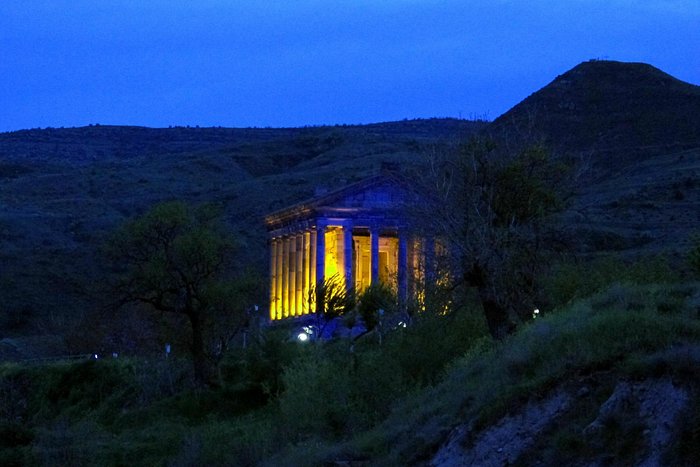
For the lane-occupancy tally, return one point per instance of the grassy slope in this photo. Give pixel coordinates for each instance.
(141, 413)
(637, 130)
(627, 332)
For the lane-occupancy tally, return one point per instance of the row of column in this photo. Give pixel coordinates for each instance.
(297, 264)
(293, 265)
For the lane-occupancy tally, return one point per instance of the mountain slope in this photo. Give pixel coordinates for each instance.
(637, 131)
(62, 191)
(619, 112)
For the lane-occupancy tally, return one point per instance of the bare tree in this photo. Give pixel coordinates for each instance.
(493, 207)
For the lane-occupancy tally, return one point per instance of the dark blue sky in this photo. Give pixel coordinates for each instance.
(307, 62)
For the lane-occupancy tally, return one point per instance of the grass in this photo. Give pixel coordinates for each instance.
(394, 404)
(601, 334)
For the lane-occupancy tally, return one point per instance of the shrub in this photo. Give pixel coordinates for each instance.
(316, 400)
(568, 281)
(258, 370)
(376, 299)
(422, 350)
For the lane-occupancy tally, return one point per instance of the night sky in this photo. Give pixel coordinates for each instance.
(310, 62)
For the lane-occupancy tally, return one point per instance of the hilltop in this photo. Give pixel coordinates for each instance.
(636, 130)
(618, 112)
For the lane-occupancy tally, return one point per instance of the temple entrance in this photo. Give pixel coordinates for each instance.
(362, 260)
(388, 261)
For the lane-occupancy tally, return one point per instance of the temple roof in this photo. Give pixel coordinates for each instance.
(375, 197)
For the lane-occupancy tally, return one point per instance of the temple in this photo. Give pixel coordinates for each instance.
(358, 235)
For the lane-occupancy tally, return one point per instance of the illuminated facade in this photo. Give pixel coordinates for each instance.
(356, 234)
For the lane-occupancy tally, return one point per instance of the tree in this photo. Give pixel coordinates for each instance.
(494, 207)
(176, 259)
(332, 300)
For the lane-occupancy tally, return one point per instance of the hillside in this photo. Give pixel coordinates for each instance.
(608, 380)
(62, 191)
(617, 112)
(636, 131)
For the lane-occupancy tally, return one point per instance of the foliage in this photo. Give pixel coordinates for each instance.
(374, 302)
(256, 372)
(493, 206)
(392, 404)
(610, 331)
(176, 259)
(686, 445)
(570, 280)
(333, 299)
(330, 393)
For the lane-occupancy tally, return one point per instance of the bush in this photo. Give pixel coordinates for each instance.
(376, 299)
(423, 350)
(257, 371)
(331, 393)
(316, 400)
(568, 281)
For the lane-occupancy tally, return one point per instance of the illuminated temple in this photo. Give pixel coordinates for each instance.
(356, 235)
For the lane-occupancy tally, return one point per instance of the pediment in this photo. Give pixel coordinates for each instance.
(382, 195)
(379, 194)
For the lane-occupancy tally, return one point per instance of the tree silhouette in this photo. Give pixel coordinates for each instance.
(176, 259)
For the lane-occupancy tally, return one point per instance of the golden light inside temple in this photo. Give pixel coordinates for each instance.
(342, 253)
(357, 234)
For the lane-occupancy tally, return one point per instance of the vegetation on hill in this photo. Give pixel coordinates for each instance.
(620, 112)
(64, 190)
(615, 347)
(395, 401)
(637, 130)
(494, 208)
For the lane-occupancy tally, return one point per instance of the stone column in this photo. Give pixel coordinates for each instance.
(280, 274)
(305, 276)
(429, 263)
(300, 274)
(320, 262)
(312, 266)
(273, 278)
(374, 254)
(292, 275)
(347, 257)
(403, 269)
(285, 277)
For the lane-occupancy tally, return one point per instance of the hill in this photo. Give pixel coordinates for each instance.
(63, 190)
(606, 380)
(618, 112)
(637, 131)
